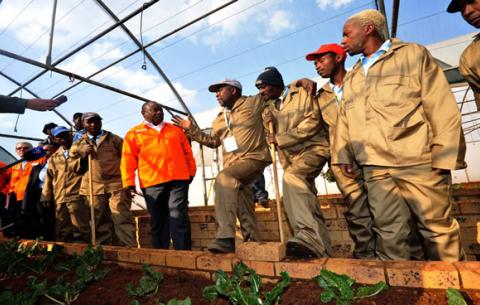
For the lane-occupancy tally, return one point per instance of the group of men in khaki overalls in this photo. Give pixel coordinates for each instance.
(390, 129)
(73, 186)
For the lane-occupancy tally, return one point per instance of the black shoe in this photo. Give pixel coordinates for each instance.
(264, 203)
(299, 250)
(222, 245)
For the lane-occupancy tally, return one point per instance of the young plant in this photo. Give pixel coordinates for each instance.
(17, 258)
(187, 301)
(148, 283)
(243, 287)
(7, 297)
(454, 297)
(91, 258)
(339, 287)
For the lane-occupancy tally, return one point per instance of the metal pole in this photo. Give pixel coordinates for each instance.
(381, 7)
(87, 43)
(52, 28)
(150, 58)
(150, 44)
(20, 137)
(35, 95)
(79, 77)
(395, 11)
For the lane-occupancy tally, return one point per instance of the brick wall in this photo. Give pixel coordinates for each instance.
(466, 209)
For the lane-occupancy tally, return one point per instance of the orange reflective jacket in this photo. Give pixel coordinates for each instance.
(159, 156)
(20, 176)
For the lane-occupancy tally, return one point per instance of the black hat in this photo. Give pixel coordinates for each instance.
(77, 115)
(454, 6)
(270, 76)
(48, 126)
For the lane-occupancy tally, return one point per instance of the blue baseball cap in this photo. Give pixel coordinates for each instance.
(58, 130)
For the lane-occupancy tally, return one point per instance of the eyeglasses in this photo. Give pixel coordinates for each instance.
(22, 147)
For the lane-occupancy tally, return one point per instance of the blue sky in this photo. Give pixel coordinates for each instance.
(237, 42)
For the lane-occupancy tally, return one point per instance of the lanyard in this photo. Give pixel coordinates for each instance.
(284, 95)
(228, 121)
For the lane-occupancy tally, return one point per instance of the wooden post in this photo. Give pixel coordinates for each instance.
(275, 182)
(90, 190)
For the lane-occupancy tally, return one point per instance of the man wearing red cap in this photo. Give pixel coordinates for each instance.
(329, 62)
(469, 64)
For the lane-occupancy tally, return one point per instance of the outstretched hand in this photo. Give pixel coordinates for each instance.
(185, 124)
(41, 104)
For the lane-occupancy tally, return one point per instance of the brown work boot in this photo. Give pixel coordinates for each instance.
(222, 245)
(299, 249)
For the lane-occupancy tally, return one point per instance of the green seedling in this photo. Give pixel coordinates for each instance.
(148, 283)
(339, 287)
(244, 287)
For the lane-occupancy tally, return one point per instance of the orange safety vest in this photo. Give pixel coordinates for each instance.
(19, 178)
(159, 156)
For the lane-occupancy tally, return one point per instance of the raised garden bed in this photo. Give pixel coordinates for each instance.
(180, 283)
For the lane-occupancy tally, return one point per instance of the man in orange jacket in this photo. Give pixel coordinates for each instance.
(16, 191)
(164, 160)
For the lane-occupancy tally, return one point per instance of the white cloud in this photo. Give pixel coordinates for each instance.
(324, 4)
(279, 21)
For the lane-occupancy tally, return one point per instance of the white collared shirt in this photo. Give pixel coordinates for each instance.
(156, 127)
(367, 62)
(337, 90)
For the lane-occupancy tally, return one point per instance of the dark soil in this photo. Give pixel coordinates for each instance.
(111, 291)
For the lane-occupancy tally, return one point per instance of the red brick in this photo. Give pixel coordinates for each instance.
(261, 251)
(469, 274)
(363, 271)
(215, 261)
(182, 259)
(422, 274)
(262, 268)
(301, 269)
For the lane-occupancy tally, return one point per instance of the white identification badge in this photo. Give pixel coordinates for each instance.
(230, 144)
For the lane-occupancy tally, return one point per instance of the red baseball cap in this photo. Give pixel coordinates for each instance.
(327, 48)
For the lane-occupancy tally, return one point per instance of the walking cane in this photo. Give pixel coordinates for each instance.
(90, 190)
(276, 187)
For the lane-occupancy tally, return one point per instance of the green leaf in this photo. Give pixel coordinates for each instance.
(255, 283)
(454, 297)
(148, 283)
(135, 302)
(274, 295)
(370, 290)
(210, 293)
(327, 295)
(187, 301)
(341, 282)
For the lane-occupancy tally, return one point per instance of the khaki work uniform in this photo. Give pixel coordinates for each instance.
(400, 122)
(358, 215)
(233, 194)
(62, 185)
(469, 67)
(303, 150)
(111, 205)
